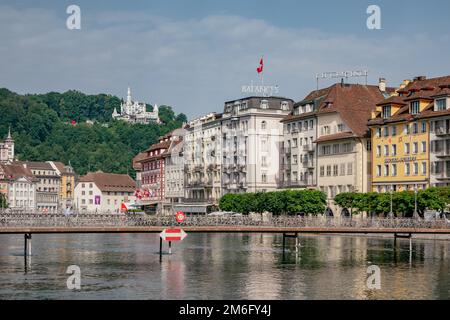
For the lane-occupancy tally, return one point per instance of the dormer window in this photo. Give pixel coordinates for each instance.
(415, 107)
(387, 112)
(264, 104)
(284, 105)
(441, 104)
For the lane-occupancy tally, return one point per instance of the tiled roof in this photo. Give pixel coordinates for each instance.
(354, 104)
(137, 165)
(336, 136)
(418, 89)
(110, 181)
(16, 171)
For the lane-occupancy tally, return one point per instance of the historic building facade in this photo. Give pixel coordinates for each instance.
(410, 135)
(7, 149)
(136, 112)
(19, 185)
(202, 158)
(252, 136)
(100, 192)
(343, 139)
(47, 187)
(298, 150)
(151, 193)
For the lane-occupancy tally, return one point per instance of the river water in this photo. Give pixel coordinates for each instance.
(223, 266)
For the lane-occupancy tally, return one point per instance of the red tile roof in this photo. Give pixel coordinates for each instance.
(336, 136)
(110, 181)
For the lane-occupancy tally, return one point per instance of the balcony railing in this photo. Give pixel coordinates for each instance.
(308, 147)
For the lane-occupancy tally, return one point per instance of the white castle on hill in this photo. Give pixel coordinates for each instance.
(136, 112)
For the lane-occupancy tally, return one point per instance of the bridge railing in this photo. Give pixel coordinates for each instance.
(115, 220)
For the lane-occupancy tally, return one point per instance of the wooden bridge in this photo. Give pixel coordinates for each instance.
(289, 227)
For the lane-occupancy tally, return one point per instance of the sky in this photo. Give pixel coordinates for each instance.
(196, 54)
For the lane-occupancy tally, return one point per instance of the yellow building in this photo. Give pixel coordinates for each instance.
(67, 187)
(400, 142)
(407, 136)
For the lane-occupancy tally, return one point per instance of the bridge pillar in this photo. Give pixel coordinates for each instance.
(287, 235)
(27, 245)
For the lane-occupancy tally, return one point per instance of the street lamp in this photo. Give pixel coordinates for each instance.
(416, 215)
(391, 213)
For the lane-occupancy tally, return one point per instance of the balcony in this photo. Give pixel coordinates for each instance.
(441, 131)
(442, 153)
(309, 147)
(309, 164)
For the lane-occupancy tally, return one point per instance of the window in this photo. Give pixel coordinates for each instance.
(415, 147)
(349, 169)
(387, 112)
(264, 178)
(394, 150)
(264, 125)
(328, 171)
(326, 150)
(378, 171)
(416, 168)
(347, 147)
(325, 129)
(386, 131)
(322, 171)
(424, 146)
(386, 170)
(378, 151)
(394, 130)
(340, 127)
(342, 173)
(407, 169)
(407, 150)
(407, 129)
(424, 168)
(335, 148)
(424, 127)
(378, 132)
(394, 170)
(335, 170)
(415, 128)
(415, 107)
(441, 104)
(386, 150)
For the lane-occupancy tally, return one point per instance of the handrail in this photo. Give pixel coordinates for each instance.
(122, 220)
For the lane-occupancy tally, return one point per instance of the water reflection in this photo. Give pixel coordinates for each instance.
(224, 266)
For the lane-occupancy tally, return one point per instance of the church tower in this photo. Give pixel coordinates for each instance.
(9, 143)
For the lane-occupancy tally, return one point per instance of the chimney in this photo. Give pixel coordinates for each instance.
(420, 78)
(382, 84)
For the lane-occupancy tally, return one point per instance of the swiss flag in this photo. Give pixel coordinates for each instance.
(123, 207)
(73, 122)
(261, 66)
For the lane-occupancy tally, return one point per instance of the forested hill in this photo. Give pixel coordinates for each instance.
(42, 130)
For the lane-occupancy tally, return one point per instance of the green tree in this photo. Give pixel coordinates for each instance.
(3, 201)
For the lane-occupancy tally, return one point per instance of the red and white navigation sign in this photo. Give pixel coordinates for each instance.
(180, 216)
(173, 234)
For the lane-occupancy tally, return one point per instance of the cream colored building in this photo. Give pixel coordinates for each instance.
(202, 163)
(343, 140)
(252, 135)
(99, 192)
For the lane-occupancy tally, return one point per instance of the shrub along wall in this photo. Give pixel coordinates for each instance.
(402, 202)
(278, 202)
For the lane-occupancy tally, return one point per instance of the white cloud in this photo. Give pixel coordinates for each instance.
(194, 65)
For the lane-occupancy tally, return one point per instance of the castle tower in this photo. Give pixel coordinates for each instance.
(9, 144)
(129, 96)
